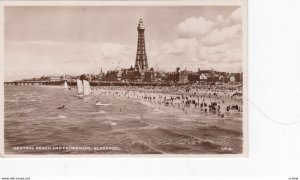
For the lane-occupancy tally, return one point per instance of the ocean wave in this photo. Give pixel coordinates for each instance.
(138, 117)
(184, 142)
(101, 112)
(26, 94)
(26, 110)
(146, 147)
(158, 111)
(97, 112)
(20, 111)
(148, 127)
(20, 101)
(110, 123)
(57, 117)
(34, 96)
(10, 100)
(31, 100)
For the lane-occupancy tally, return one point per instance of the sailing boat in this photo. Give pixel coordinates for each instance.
(66, 85)
(86, 88)
(83, 88)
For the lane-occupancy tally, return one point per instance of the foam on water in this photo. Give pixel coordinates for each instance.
(158, 110)
(97, 112)
(138, 117)
(57, 117)
(26, 110)
(110, 123)
(62, 117)
(148, 127)
(11, 100)
(20, 101)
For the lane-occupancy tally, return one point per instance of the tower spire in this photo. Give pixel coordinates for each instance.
(141, 56)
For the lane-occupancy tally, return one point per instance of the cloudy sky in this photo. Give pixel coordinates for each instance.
(75, 40)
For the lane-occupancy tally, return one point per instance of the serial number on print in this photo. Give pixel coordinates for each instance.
(226, 149)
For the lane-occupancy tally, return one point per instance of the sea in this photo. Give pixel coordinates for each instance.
(33, 124)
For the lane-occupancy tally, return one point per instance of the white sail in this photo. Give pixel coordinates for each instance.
(66, 85)
(86, 88)
(79, 86)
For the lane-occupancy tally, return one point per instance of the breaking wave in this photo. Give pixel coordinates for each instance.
(110, 123)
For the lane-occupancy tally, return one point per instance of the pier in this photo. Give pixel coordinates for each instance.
(32, 83)
(92, 83)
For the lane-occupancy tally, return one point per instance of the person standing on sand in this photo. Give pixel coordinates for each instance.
(222, 115)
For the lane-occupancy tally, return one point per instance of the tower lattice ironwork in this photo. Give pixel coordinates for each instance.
(141, 62)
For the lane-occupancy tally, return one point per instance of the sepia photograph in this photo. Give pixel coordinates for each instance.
(147, 78)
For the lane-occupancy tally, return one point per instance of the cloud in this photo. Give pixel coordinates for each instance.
(200, 43)
(206, 44)
(48, 58)
(226, 29)
(114, 50)
(177, 53)
(226, 53)
(192, 54)
(222, 29)
(194, 26)
(236, 15)
(221, 35)
(180, 46)
(221, 21)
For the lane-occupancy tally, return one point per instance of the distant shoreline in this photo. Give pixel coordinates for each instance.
(99, 83)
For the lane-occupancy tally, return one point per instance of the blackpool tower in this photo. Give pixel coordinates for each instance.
(141, 57)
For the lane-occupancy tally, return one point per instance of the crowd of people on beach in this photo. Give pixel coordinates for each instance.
(217, 100)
